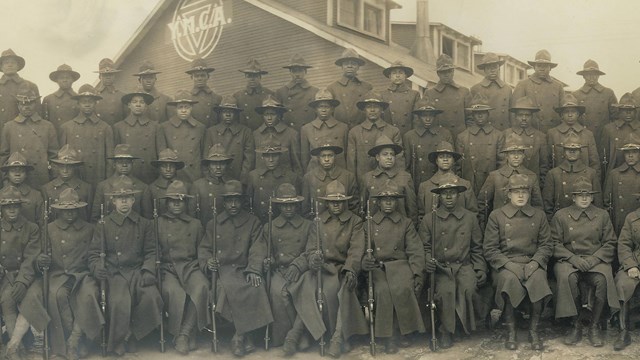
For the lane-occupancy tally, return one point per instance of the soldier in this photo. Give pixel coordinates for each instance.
(90, 136)
(449, 97)
(597, 100)
(20, 289)
(73, 294)
(140, 132)
(109, 108)
(273, 129)
(253, 95)
(397, 265)
(458, 262)
(536, 156)
(570, 112)
(349, 89)
(211, 185)
(623, 181)
(480, 145)
(401, 98)
(545, 91)
(10, 83)
(614, 133)
(422, 140)
(242, 298)
(147, 79)
(297, 93)
(517, 246)
(585, 246)
(556, 193)
(495, 90)
(168, 165)
(363, 136)
(184, 134)
(31, 135)
(60, 106)
(16, 171)
(122, 161)
(134, 305)
(322, 128)
(235, 138)
(204, 98)
(385, 152)
(185, 289)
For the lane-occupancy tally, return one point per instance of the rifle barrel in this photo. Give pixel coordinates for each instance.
(432, 276)
(214, 280)
(370, 289)
(45, 277)
(268, 274)
(158, 269)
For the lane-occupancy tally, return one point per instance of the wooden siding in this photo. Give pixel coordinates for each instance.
(403, 34)
(317, 9)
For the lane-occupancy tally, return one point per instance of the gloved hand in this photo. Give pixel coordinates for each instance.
(254, 279)
(100, 273)
(481, 278)
(530, 268)
(579, 263)
(350, 280)
(417, 285)
(430, 265)
(368, 263)
(316, 261)
(43, 261)
(634, 273)
(213, 264)
(266, 264)
(148, 278)
(516, 269)
(18, 291)
(292, 273)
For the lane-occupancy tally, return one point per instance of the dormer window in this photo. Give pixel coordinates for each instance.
(459, 51)
(365, 16)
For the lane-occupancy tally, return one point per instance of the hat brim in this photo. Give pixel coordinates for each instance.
(407, 70)
(110, 71)
(581, 109)
(624, 106)
(219, 108)
(158, 163)
(182, 101)
(445, 68)
(250, 71)
(336, 149)
(590, 71)
(8, 167)
(361, 104)
(481, 66)
(336, 197)
(233, 194)
(80, 96)
(299, 66)
(148, 98)
(147, 72)
(441, 189)
(67, 162)
(6, 202)
(314, 103)
(123, 157)
(532, 109)
(123, 193)
(341, 60)
(279, 151)
(207, 70)
(431, 111)
(280, 109)
(19, 59)
(590, 192)
(205, 162)
(573, 146)
(376, 149)
(533, 63)
(176, 196)
(479, 108)
(75, 75)
(77, 205)
(388, 195)
(629, 147)
(432, 156)
(296, 199)
(513, 148)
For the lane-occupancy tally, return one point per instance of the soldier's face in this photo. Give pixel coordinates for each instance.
(327, 159)
(631, 157)
(519, 197)
(373, 111)
(523, 118)
(65, 171)
(446, 76)
(288, 211)
(87, 105)
(271, 161)
(591, 79)
(572, 154)
(227, 116)
(64, 80)
(515, 158)
(200, 78)
(11, 212)
(350, 68)
(137, 105)
(386, 158)
(491, 71)
(397, 76)
(298, 74)
(627, 115)
(232, 205)
(123, 204)
(542, 70)
(17, 175)
(271, 117)
(388, 204)
(107, 79)
(183, 111)
(123, 166)
(582, 200)
(9, 66)
(69, 215)
(449, 198)
(570, 116)
(217, 168)
(444, 161)
(147, 81)
(427, 119)
(27, 109)
(324, 110)
(336, 208)
(480, 117)
(168, 170)
(253, 80)
(176, 207)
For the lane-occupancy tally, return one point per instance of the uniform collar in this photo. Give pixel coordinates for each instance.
(162, 182)
(81, 119)
(74, 182)
(538, 80)
(7, 226)
(279, 127)
(109, 89)
(398, 88)
(345, 80)
(21, 119)
(321, 174)
(507, 171)
(304, 84)
(437, 177)
(296, 221)
(325, 216)
(367, 124)
(330, 123)
(578, 165)
(510, 210)
(238, 221)
(395, 217)
(132, 120)
(443, 213)
(624, 167)
(487, 129)
(390, 172)
(119, 219)
(175, 121)
(183, 217)
(197, 90)
(278, 172)
(222, 128)
(15, 78)
(527, 131)
(564, 128)
(486, 82)
(440, 86)
(575, 212)
(216, 180)
(634, 124)
(586, 88)
(60, 93)
(79, 224)
(251, 91)
(24, 189)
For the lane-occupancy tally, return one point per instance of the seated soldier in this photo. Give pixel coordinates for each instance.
(211, 185)
(584, 247)
(168, 165)
(16, 170)
(517, 246)
(397, 266)
(458, 263)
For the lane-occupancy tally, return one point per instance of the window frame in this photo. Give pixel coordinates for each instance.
(454, 49)
(360, 18)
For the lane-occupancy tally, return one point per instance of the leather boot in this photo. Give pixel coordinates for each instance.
(575, 334)
(390, 345)
(237, 345)
(534, 337)
(72, 345)
(290, 346)
(624, 338)
(446, 340)
(512, 342)
(595, 333)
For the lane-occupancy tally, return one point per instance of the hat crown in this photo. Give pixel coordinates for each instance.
(389, 188)
(373, 97)
(182, 95)
(286, 191)
(123, 184)
(122, 150)
(444, 146)
(479, 101)
(518, 181)
(297, 61)
(349, 53)
(490, 58)
(146, 66)
(8, 52)
(582, 184)
(383, 140)
(68, 196)
(10, 195)
(271, 102)
(232, 187)
(64, 67)
(335, 189)
(514, 141)
(444, 60)
(253, 65)
(26, 93)
(627, 100)
(632, 140)
(87, 89)
(543, 56)
(271, 146)
(106, 64)
(168, 155)
(525, 102)
(229, 101)
(448, 180)
(324, 95)
(424, 104)
(17, 159)
(67, 153)
(217, 151)
(177, 187)
(590, 65)
(572, 140)
(569, 100)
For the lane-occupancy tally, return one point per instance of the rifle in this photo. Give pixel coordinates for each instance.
(197, 206)
(414, 163)
(268, 275)
(604, 158)
(553, 155)
(432, 277)
(320, 293)
(251, 205)
(370, 297)
(45, 277)
(103, 286)
(485, 216)
(610, 207)
(214, 280)
(158, 269)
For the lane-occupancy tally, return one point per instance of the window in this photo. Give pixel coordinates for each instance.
(459, 51)
(521, 74)
(462, 55)
(349, 12)
(510, 74)
(365, 16)
(448, 46)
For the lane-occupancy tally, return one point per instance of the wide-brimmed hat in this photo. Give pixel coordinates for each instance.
(297, 61)
(87, 90)
(67, 156)
(444, 63)
(449, 181)
(68, 200)
(253, 67)
(324, 95)
(271, 146)
(590, 67)
(177, 190)
(627, 101)
(335, 191)
(232, 188)
(372, 98)
(443, 147)
(479, 102)
(382, 142)
(16, 160)
(217, 153)
(26, 94)
(272, 103)
(11, 195)
(524, 103)
(107, 66)
(286, 194)
(582, 185)
(327, 144)
(572, 141)
(148, 98)
(389, 189)
(168, 156)
(488, 59)
(199, 64)
(632, 142)
(543, 57)
(425, 105)
(570, 102)
(397, 65)
(518, 181)
(64, 69)
(228, 102)
(123, 186)
(182, 96)
(147, 68)
(514, 142)
(349, 54)
(9, 54)
(123, 151)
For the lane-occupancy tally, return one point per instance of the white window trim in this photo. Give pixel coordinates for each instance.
(360, 27)
(454, 55)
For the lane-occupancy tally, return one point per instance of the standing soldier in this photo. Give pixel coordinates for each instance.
(242, 298)
(60, 106)
(297, 93)
(16, 171)
(90, 136)
(31, 135)
(211, 185)
(134, 305)
(109, 108)
(168, 165)
(517, 246)
(235, 138)
(545, 91)
(10, 83)
(422, 140)
(401, 98)
(615, 133)
(349, 89)
(204, 98)
(147, 78)
(253, 95)
(622, 182)
(585, 246)
(449, 97)
(495, 90)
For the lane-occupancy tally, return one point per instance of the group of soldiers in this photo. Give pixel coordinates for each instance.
(124, 213)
